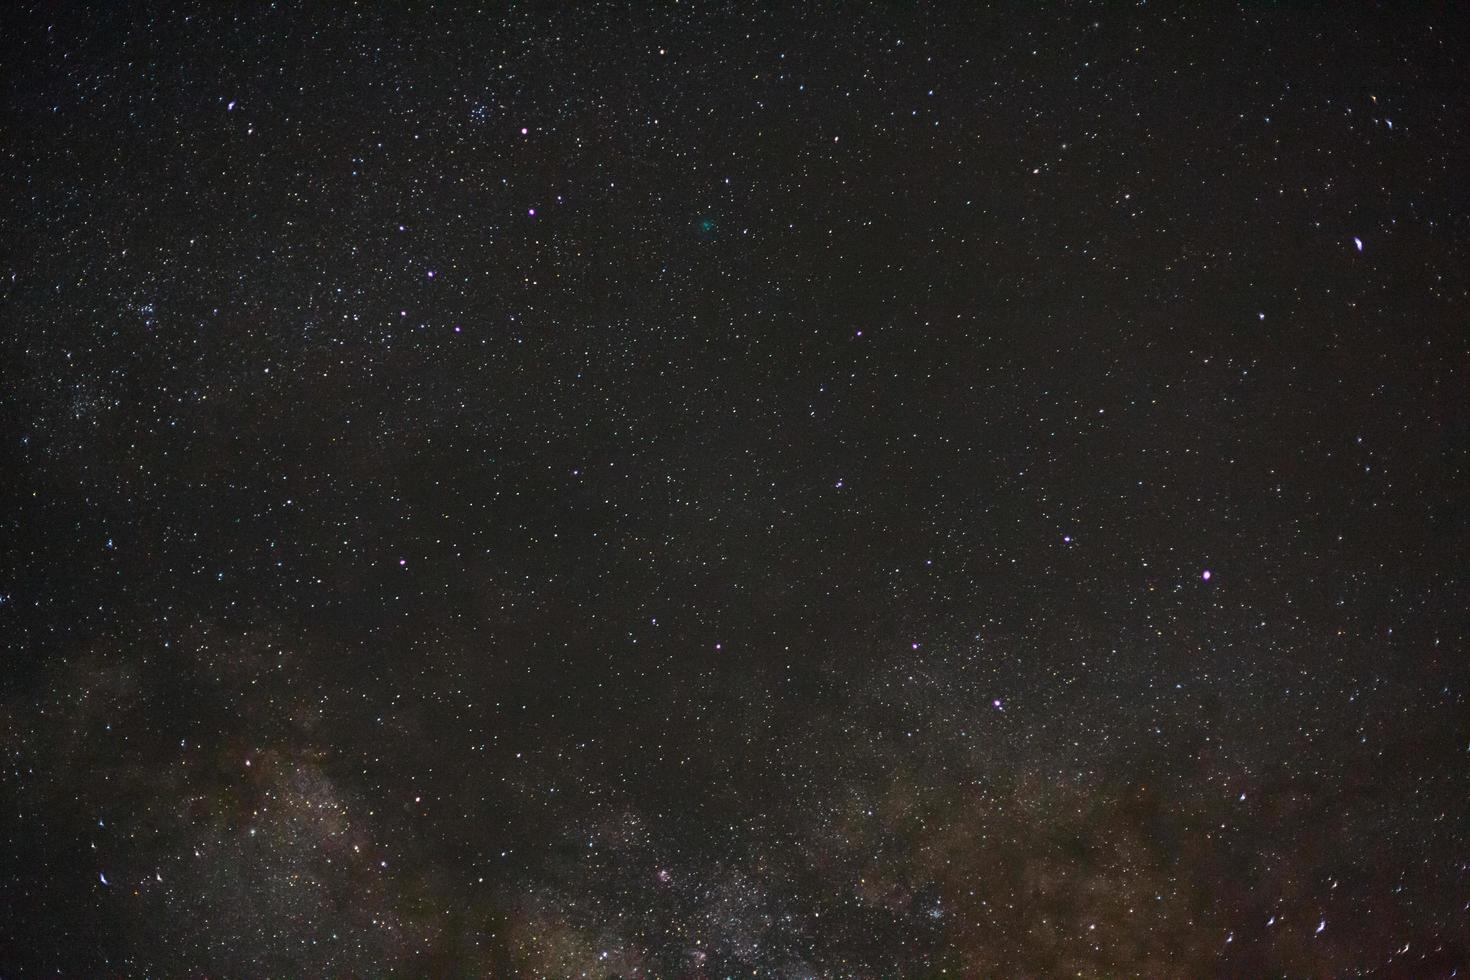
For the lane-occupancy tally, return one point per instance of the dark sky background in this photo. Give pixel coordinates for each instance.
(691, 490)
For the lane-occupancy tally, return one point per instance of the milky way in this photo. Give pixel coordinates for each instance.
(696, 490)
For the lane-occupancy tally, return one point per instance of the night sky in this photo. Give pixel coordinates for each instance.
(704, 490)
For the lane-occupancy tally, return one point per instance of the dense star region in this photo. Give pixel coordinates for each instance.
(712, 490)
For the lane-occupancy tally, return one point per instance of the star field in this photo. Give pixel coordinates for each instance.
(700, 490)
